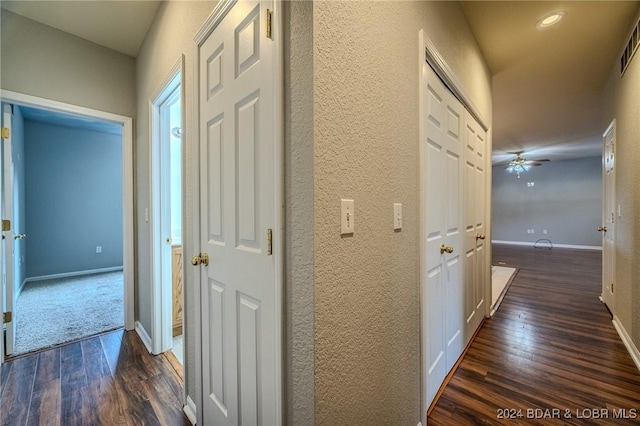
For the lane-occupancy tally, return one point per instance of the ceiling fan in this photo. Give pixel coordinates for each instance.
(520, 164)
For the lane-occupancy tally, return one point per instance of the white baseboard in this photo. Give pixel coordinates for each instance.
(628, 343)
(144, 336)
(21, 287)
(191, 411)
(73, 274)
(531, 244)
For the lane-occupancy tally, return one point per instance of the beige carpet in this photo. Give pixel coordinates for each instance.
(61, 310)
(501, 277)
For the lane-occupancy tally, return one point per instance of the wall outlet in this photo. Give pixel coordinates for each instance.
(544, 231)
(98, 249)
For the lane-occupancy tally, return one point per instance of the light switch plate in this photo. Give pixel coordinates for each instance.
(347, 216)
(397, 216)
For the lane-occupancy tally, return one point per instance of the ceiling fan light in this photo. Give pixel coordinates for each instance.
(551, 19)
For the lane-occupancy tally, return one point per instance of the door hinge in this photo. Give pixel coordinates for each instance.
(269, 24)
(611, 287)
(6, 225)
(6, 133)
(269, 242)
(7, 317)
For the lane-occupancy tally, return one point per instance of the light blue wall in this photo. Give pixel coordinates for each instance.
(73, 199)
(566, 200)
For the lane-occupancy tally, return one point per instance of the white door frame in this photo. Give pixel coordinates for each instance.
(21, 99)
(608, 200)
(7, 261)
(429, 53)
(216, 16)
(161, 295)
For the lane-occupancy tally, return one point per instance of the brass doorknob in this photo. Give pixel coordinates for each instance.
(444, 249)
(201, 259)
(480, 236)
(20, 237)
(602, 228)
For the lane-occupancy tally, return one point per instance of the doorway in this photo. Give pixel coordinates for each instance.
(78, 114)
(608, 216)
(167, 147)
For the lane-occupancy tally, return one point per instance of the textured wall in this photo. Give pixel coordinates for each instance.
(298, 53)
(42, 61)
(566, 201)
(367, 314)
(170, 36)
(622, 102)
(73, 200)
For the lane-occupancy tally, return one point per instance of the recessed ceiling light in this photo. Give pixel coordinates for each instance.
(551, 19)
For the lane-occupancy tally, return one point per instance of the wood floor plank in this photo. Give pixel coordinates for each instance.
(48, 369)
(95, 361)
(159, 392)
(106, 380)
(551, 345)
(45, 406)
(16, 396)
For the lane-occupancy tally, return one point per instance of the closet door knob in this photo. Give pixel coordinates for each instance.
(446, 249)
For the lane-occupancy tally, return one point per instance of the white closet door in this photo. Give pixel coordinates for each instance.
(442, 295)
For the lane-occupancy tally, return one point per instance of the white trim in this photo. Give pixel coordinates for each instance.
(419, 424)
(195, 236)
(531, 244)
(628, 342)
(191, 411)
(421, 227)
(144, 336)
(21, 288)
(279, 191)
(222, 8)
(161, 303)
(127, 181)
(72, 274)
(430, 53)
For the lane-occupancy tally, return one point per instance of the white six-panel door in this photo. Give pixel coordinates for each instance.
(239, 302)
(442, 294)
(474, 224)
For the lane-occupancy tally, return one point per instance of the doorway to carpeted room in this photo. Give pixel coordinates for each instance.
(57, 311)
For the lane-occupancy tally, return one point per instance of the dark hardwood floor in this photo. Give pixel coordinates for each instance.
(105, 380)
(549, 356)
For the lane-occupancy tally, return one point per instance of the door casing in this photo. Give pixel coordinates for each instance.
(609, 216)
(21, 99)
(161, 336)
(429, 53)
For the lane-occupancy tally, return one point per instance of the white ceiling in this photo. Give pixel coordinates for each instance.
(548, 84)
(118, 25)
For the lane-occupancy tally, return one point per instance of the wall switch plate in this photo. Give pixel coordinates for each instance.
(397, 216)
(347, 217)
(98, 249)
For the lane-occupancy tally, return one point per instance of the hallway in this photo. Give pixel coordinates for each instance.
(550, 355)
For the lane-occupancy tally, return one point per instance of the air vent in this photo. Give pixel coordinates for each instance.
(631, 48)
